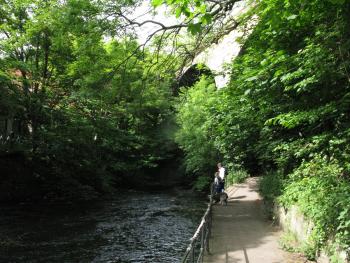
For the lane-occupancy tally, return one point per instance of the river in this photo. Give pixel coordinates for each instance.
(131, 227)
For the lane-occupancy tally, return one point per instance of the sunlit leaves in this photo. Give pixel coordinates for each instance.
(286, 109)
(156, 3)
(195, 12)
(292, 17)
(193, 113)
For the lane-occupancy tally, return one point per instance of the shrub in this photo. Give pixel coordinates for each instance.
(322, 194)
(202, 183)
(271, 186)
(236, 176)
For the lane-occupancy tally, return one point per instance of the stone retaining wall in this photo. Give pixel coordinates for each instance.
(292, 220)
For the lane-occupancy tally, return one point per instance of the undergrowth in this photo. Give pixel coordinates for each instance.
(321, 192)
(236, 176)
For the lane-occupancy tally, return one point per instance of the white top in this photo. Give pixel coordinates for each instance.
(222, 173)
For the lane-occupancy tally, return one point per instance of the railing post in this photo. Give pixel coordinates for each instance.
(203, 240)
(204, 229)
(206, 240)
(193, 255)
(210, 220)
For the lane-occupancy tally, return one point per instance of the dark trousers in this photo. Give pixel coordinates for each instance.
(222, 186)
(217, 188)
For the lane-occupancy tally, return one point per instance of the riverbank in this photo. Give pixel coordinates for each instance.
(25, 180)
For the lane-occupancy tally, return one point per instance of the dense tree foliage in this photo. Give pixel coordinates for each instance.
(84, 106)
(193, 111)
(87, 109)
(285, 112)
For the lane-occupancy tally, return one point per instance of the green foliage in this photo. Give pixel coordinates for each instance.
(236, 176)
(287, 104)
(196, 12)
(194, 134)
(271, 186)
(290, 242)
(86, 119)
(318, 190)
(202, 183)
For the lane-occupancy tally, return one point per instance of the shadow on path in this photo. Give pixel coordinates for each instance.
(240, 231)
(238, 197)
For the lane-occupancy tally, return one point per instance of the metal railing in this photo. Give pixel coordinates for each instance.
(199, 243)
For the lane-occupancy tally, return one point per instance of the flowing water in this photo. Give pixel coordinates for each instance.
(132, 227)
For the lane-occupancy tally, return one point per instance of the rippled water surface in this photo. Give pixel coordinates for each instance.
(132, 227)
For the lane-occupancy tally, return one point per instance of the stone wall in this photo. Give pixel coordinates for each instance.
(292, 220)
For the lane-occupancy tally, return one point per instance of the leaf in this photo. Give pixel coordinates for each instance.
(247, 92)
(203, 9)
(156, 3)
(186, 11)
(194, 28)
(337, 2)
(178, 12)
(292, 17)
(206, 19)
(251, 79)
(264, 63)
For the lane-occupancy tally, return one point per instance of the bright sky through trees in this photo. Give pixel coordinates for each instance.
(215, 57)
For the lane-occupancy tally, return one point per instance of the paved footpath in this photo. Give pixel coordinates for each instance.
(241, 233)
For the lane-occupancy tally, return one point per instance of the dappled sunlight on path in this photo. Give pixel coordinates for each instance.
(240, 231)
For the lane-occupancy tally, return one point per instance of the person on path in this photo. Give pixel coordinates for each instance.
(217, 183)
(221, 171)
